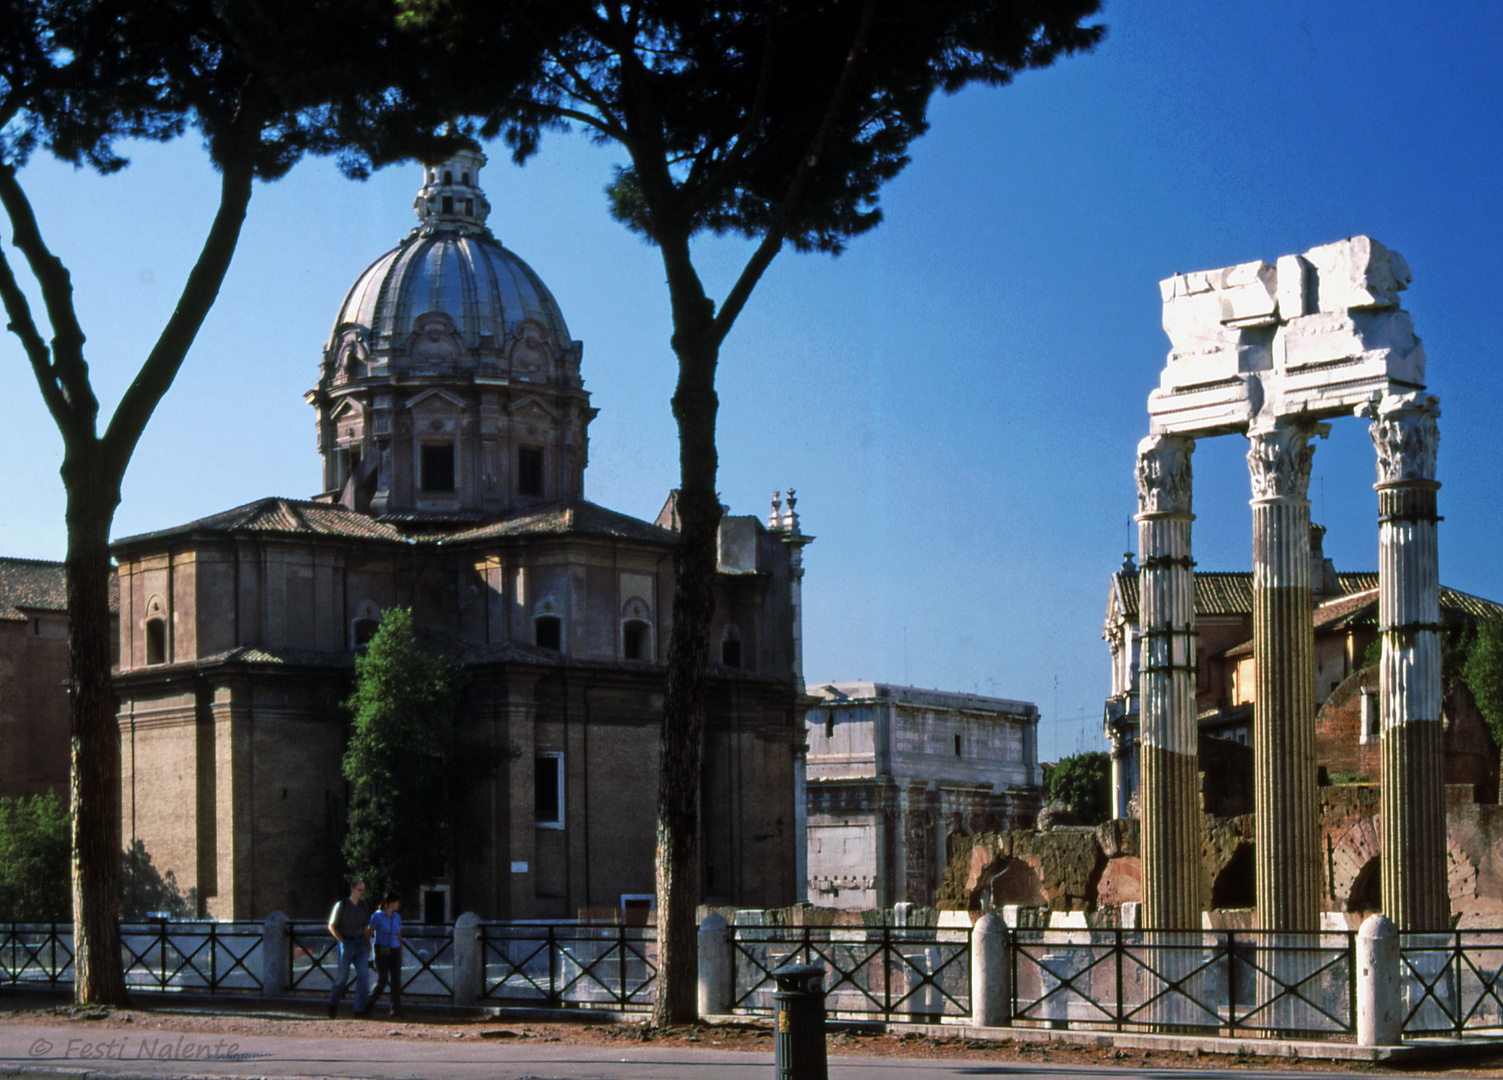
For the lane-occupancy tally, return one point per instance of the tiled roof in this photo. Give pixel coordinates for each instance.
(38, 584)
(579, 518)
(1226, 592)
(1361, 609)
(279, 515)
(297, 517)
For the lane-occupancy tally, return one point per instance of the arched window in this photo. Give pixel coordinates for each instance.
(156, 641)
(548, 632)
(448, 177)
(730, 648)
(464, 178)
(634, 640)
(362, 630)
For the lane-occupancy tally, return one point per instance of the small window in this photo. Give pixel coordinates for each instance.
(448, 177)
(464, 178)
(363, 630)
(438, 467)
(548, 632)
(156, 641)
(829, 725)
(957, 746)
(634, 640)
(469, 206)
(448, 204)
(548, 790)
(730, 652)
(530, 471)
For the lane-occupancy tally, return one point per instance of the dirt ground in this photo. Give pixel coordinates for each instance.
(434, 1024)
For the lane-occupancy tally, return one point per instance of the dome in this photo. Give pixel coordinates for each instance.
(450, 264)
(450, 391)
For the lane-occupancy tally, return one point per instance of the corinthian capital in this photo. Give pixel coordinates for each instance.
(1164, 485)
(1405, 434)
(1279, 457)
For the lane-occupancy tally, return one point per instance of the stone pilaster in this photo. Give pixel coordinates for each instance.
(1287, 831)
(1169, 762)
(1412, 810)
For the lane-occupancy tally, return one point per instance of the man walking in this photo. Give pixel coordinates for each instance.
(349, 922)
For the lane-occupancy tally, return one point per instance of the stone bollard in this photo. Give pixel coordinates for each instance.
(1380, 1016)
(469, 960)
(991, 993)
(715, 967)
(276, 956)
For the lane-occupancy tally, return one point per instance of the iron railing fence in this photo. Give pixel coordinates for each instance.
(36, 955)
(427, 960)
(1450, 982)
(566, 966)
(1234, 982)
(918, 973)
(1242, 982)
(200, 957)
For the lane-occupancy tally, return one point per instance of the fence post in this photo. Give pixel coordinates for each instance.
(469, 963)
(276, 957)
(715, 966)
(991, 994)
(1379, 1013)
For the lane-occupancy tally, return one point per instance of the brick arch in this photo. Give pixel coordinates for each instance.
(1349, 853)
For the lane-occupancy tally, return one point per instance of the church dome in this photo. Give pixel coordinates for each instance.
(450, 390)
(451, 265)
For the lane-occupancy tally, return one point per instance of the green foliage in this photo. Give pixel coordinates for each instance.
(410, 776)
(749, 117)
(1084, 784)
(145, 892)
(1483, 673)
(35, 881)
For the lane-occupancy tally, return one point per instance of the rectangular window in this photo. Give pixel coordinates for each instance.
(438, 467)
(530, 471)
(548, 790)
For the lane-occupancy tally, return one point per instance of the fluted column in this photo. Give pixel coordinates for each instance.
(1169, 767)
(1287, 831)
(1412, 807)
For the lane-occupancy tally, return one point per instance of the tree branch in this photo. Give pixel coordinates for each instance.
(198, 295)
(71, 399)
(777, 231)
(22, 325)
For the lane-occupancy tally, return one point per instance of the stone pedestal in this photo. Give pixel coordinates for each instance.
(1287, 833)
(1412, 810)
(1170, 764)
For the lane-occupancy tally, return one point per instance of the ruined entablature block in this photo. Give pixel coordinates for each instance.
(1317, 333)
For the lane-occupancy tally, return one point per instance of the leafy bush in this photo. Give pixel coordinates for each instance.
(35, 871)
(1083, 782)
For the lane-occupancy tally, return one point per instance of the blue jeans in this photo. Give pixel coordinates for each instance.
(351, 953)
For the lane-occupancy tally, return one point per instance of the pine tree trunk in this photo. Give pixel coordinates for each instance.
(99, 977)
(682, 741)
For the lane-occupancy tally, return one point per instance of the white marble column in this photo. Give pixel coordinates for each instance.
(1287, 830)
(1170, 765)
(1412, 810)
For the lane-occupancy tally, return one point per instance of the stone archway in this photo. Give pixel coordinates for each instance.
(1366, 893)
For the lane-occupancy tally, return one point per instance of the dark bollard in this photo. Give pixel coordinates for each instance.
(799, 1042)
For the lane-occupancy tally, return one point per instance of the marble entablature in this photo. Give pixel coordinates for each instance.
(1312, 335)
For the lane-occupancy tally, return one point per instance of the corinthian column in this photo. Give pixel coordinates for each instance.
(1287, 830)
(1412, 806)
(1169, 765)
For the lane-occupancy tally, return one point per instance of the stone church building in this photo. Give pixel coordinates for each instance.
(453, 429)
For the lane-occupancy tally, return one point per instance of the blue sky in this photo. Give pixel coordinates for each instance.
(956, 399)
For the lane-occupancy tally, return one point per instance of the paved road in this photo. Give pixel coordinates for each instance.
(115, 1050)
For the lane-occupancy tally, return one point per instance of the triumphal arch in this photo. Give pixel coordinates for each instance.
(1272, 353)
